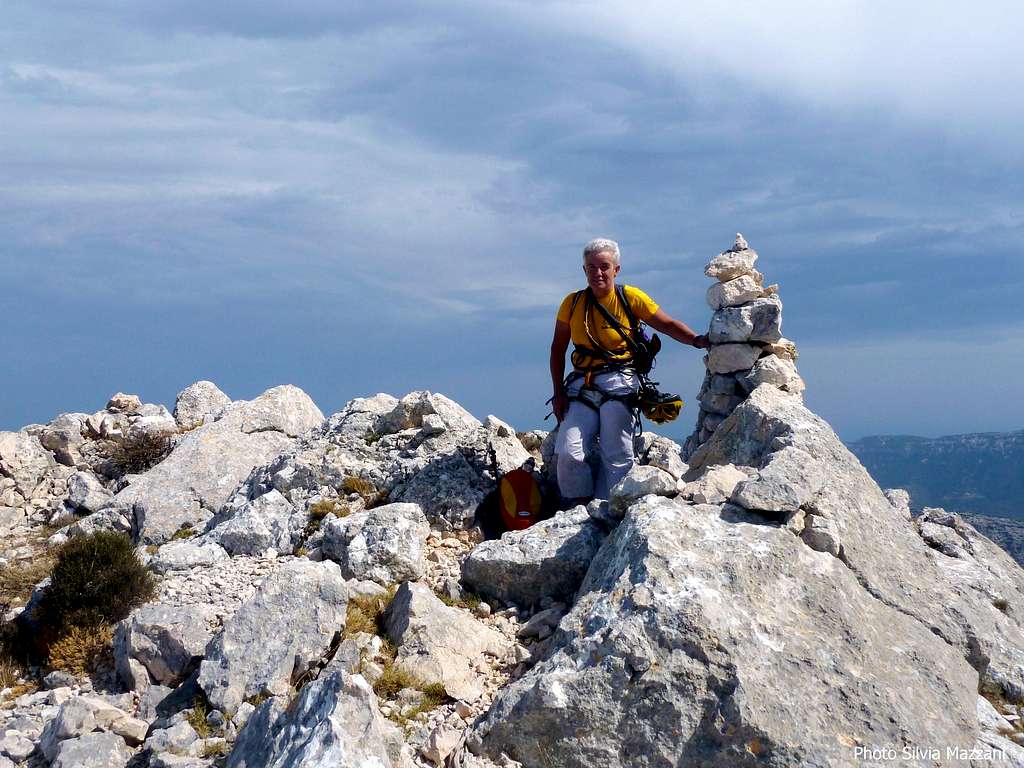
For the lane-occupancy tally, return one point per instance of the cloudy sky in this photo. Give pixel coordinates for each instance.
(394, 197)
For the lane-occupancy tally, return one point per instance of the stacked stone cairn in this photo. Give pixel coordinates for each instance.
(747, 347)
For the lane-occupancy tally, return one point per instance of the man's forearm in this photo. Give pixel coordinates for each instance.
(557, 371)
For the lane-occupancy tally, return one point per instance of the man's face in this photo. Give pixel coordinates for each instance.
(601, 270)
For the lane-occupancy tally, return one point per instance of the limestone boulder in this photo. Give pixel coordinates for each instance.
(86, 493)
(446, 487)
(734, 292)
(507, 450)
(548, 559)
(24, 460)
(712, 484)
(663, 453)
(64, 437)
(728, 358)
(92, 750)
(639, 482)
(384, 544)
(789, 479)
(755, 645)
(186, 555)
(408, 413)
(735, 262)
(198, 403)
(777, 371)
(266, 522)
(276, 635)
(958, 597)
(167, 640)
(199, 475)
(333, 722)
(437, 643)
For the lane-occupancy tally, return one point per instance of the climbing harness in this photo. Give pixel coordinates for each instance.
(659, 407)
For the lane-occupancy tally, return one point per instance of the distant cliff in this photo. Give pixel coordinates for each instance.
(978, 473)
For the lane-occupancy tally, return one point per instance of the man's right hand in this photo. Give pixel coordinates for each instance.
(560, 405)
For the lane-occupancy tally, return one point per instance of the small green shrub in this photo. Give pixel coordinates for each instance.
(96, 580)
(138, 453)
(373, 437)
(185, 532)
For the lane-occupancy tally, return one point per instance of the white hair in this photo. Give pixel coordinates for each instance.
(602, 245)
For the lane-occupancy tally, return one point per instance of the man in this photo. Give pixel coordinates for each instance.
(592, 400)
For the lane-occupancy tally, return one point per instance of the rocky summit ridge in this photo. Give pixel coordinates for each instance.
(323, 597)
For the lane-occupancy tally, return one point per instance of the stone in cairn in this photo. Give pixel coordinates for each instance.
(747, 347)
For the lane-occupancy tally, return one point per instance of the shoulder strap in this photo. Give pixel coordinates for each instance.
(634, 326)
(610, 318)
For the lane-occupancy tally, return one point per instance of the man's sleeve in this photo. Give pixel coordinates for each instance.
(563, 310)
(643, 306)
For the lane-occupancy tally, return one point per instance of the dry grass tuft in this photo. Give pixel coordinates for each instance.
(469, 600)
(372, 496)
(81, 650)
(366, 614)
(10, 672)
(139, 453)
(17, 580)
(197, 718)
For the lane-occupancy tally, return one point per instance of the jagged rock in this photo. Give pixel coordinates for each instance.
(151, 421)
(759, 320)
(783, 348)
(727, 358)
(334, 722)
(410, 410)
(131, 729)
(63, 437)
(24, 460)
(198, 403)
(384, 544)
(185, 555)
(548, 559)
(777, 371)
(171, 760)
(757, 643)
(165, 639)
(448, 489)
(713, 485)
(177, 737)
(283, 629)
(122, 403)
(16, 747)
(821, 534)
(437, 643)
(441, 743)
(508, 452)
(267, 522)
(360, 417)
(77, 716)
(734, 292)
(957, 599)
(192, 483)
(735, 262)
(107, 519)
(664, 454)
(789, 479)
(900, 501)
(720, 405)
(640, 481)
(93, 750)
(86, 493)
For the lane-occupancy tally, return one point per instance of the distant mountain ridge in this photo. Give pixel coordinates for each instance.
(980, 473)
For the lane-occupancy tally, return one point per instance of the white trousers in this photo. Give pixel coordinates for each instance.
(612, 424)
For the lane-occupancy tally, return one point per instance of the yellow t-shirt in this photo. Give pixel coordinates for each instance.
(601, 332)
